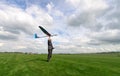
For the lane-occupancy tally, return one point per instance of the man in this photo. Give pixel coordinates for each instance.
(50, 48)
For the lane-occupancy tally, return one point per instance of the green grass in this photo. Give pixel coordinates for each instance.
(60, 65)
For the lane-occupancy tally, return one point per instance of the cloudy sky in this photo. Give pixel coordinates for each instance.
(82, 26)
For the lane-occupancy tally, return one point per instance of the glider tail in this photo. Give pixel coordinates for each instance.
(35, 36)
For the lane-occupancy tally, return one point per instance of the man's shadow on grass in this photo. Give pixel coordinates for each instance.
(36, 59)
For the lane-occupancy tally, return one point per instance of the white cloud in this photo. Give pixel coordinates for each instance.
(91, 26)
(88, 4)
(100, 19)
(20, 47)
(50, 6)
(52, 10)
(15, 20)
(39, 15)
(1, 44)
(18, 26)
(87, 13)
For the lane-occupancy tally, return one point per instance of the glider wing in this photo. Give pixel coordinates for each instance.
(44, 31)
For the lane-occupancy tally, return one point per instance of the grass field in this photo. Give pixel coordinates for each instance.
(60, 65)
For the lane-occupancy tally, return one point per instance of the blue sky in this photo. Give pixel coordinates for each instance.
(83, 26)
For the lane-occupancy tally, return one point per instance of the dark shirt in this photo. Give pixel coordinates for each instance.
(50, 46)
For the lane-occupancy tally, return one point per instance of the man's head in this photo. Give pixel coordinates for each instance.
(49, 38)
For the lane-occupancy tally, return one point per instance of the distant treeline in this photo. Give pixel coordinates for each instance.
(113, 52)
(117, 52)
(19, 52)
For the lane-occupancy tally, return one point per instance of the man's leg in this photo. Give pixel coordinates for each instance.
(50, 53)
(48, 59)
